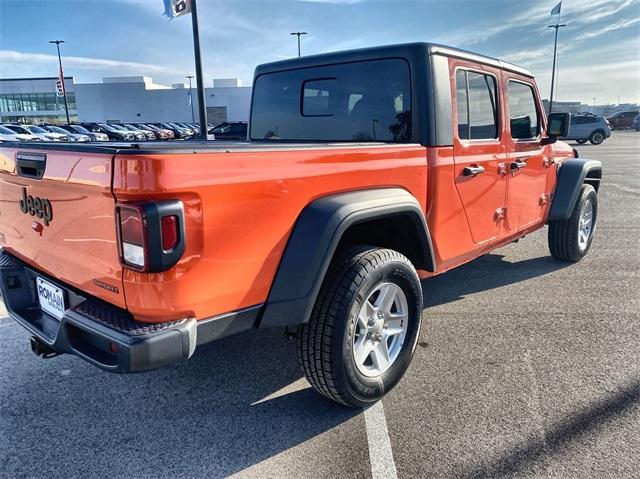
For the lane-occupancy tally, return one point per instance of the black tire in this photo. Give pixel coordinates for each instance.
(581, 141)
(563, 234)
(597, 137)
(326, 342)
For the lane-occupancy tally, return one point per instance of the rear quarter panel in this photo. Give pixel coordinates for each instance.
(240, 208)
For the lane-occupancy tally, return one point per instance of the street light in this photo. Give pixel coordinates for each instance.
(298, 34)
(594, 105)
(193, 117)
(64, 89)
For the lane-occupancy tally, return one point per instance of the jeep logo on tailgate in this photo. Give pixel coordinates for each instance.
(35, 206)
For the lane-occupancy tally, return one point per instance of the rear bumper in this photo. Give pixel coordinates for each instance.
(100, 333)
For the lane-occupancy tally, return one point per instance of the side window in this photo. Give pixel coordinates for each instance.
(315, 97)
(463, 108)
(523, 114)
(477, 112)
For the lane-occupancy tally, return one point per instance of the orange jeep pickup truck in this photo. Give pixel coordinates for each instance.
(364, 171)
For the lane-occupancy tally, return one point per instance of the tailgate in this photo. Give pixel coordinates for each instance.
(57, 214)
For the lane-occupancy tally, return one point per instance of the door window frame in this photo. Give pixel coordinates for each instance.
(497, 106)
(541, 124)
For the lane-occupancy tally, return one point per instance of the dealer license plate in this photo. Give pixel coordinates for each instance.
(51, 298)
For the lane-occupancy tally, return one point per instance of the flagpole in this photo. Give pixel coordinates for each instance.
(64, 88)
(557, 26)
(202, 107)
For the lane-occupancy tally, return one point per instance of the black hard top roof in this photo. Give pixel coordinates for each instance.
(406, 50)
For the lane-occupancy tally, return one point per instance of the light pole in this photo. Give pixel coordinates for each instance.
(298, 34)
(594, 105)
(64, 89)
(202, 107)
(193, 117)
(557, 26)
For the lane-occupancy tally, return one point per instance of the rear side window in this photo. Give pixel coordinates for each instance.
(523, 114)
(359, 101)
(476, 104)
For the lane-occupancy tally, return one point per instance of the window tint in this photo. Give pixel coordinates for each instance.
(359, 101)
(463, 108)
(523, 114)
(476, 103)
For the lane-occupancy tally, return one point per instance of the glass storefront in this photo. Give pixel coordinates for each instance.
(15, 102)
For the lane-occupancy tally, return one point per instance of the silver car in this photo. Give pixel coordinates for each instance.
(589, 127)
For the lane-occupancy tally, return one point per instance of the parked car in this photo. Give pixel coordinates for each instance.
(591, 128)
(72, 136)
(236, 130)
(318, 226)
(149, 135)
(164, 133)
(79, 129)
(113, 133)
(144, 128)
(139, 136)
(36, 132)
(622, 119)
(636, 123)
(9, 135)
(178, 132)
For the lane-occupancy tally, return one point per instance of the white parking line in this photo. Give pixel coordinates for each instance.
(380, 453)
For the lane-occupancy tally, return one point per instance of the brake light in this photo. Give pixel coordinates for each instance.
(151, 234)
(132, 236)
(169, 232)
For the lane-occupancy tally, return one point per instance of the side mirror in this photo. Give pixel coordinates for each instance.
(557, 126)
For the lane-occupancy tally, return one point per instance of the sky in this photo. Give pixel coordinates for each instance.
(598, 51)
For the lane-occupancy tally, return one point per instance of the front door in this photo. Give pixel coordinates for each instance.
(480, 174)
(527, 161)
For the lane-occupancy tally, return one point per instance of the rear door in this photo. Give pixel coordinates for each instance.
(57, 214)
(527, 158)
(480, 174)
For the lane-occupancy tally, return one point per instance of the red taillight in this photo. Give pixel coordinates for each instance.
(132, 236)
(151, 234)
(169, 225)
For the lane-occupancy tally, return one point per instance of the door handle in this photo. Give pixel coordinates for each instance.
(517, 165)
(472, 170)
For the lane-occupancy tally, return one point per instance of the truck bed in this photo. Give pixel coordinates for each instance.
(189, 146)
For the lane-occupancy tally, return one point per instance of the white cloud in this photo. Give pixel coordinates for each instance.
(607, 28)
(10, 56)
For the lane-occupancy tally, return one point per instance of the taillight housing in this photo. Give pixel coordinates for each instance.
(151, 235)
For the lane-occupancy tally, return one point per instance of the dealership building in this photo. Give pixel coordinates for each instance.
(120, 99)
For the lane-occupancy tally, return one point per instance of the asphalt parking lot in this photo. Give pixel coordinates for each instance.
(525, 368)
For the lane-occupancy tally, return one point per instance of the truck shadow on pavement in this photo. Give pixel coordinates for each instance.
(485, 273)
(217, 414)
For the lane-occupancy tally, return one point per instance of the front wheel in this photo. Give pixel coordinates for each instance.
(570, 239)
(364, 326)
(596, 138)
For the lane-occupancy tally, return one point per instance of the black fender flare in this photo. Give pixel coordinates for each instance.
(572, 174)
(313, 242)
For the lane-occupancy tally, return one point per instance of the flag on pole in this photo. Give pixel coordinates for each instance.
(556, 9)
(175, 8)
(189, 96)
(60, 84)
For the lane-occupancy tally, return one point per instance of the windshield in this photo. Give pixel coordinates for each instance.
(57, 129)
(108, 127)
(6, 131)
(36, 129)
(80, 129)
(19, 129)
(359, 101)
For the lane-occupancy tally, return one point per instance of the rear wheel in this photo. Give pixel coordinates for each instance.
(596, 137)
(364, 326)
(570, 239)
